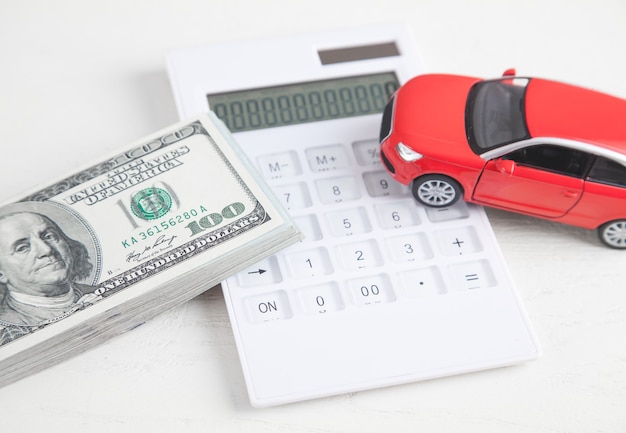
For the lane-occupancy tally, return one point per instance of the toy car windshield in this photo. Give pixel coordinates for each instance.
(494, 115)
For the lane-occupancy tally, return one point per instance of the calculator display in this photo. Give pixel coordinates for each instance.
(311, 101)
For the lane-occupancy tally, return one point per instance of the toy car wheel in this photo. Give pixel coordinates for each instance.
(436, 190)
(613, 234)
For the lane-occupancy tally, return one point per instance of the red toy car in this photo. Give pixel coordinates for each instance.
(527, 145)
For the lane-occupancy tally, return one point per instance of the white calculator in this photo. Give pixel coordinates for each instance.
(381, 291)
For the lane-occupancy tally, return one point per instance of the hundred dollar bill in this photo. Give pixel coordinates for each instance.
(99, 252)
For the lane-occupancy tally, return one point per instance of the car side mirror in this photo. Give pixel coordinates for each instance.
(505, 166)
(509, 73)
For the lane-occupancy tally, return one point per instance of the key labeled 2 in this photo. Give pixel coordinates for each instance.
(360, 255)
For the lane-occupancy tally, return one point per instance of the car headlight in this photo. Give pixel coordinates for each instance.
(407, 153)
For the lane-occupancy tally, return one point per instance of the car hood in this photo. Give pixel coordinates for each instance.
(429, 116)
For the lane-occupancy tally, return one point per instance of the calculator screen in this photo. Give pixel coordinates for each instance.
(305, 102)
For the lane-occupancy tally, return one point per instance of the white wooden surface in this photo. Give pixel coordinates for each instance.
(80, 79)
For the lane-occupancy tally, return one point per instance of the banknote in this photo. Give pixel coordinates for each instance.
(97, 252)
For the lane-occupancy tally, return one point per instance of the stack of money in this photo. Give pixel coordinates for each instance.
(100, 252)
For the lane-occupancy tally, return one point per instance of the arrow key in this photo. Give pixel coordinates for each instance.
(261, 273)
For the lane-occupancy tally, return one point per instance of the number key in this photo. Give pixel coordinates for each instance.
(309, 263)
(338, 189)
(294, 196)
(380, 184)
(347, 222)
(370, 290)
(359, 255)
(320, 299)
(397, 215)
(409, 248)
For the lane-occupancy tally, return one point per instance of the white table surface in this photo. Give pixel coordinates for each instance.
(80, 79)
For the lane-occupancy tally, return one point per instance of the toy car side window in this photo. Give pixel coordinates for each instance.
(557, 159)
(607, 171)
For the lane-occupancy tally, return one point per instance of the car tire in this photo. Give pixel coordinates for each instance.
(613, 234)
(435, 190)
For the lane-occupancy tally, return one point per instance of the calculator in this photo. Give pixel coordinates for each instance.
(381, 291)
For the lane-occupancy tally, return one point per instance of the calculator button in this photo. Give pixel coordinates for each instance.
(422, 283)
(455, 212)
(320, 299)
(278, 165)
(472, 275)
(458, 241)
(360, 255)
(371, 290)
(309, 226)
(367, 152)
(268, 307)
(309, 263)
(397, 215)
(265, 272)
(338, 189)
(293, 196)
(327, 158)
(380, 184)
(409, 248)
(347, 222)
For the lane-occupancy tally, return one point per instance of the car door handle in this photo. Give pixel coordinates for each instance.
(570, 194)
